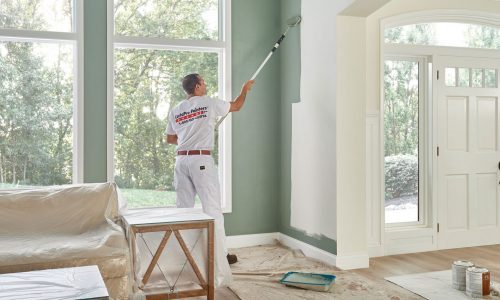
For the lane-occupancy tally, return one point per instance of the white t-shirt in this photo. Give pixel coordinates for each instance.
(193, 121)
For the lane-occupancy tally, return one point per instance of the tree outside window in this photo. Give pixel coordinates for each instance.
(36, 94)
(147, 84)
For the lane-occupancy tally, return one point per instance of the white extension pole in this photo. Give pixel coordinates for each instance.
(276, 45)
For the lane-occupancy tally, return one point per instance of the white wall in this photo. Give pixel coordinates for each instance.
(350, 131)
(313, 195)
(328, 131)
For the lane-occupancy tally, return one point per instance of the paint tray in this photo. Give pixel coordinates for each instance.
(309, 281)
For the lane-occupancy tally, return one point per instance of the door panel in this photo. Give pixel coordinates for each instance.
(468, 139)
(486, 124)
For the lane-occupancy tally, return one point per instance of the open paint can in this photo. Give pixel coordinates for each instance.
(458, 270)
(478, 282)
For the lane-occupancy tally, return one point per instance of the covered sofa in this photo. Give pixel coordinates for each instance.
(65, 226)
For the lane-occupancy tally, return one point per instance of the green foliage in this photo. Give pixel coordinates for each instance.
(479, 36)
(145, 81)
(401, 107)
(401, 176)
(417, 34)
(36, 123)
(175, 19)
(148, 86)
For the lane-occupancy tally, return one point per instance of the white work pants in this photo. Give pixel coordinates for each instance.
(197, 174)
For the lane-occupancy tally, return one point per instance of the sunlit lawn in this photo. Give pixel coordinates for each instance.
(149, 198)
(135, 197)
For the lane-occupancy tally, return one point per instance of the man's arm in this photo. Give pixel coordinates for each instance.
(171, 139)
(237, 103)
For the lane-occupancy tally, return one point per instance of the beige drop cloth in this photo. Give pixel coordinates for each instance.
(276, 260)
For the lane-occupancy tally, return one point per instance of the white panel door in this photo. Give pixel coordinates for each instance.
(468, 137)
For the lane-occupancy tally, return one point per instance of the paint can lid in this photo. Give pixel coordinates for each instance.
(463, 263)
(477, 270)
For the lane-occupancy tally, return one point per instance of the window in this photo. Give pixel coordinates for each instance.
(445, 34)
(407, 86)
(403, 101)
(155, 44)
(471, 77)
(40, 138)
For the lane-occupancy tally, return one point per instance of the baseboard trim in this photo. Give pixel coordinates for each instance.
(250, 240)
(308, 250)
(375, 251)
(349, 262)
(343, 262)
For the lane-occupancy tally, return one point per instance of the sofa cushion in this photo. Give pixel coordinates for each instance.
(105, 246)
(59, 209)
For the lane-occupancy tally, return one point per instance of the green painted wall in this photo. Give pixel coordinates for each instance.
(261, 130)
(255, 28)
(290, 93)
(95, 91)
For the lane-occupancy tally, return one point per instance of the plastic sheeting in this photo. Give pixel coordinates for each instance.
(63, 226)
(173, 267)
(68, 283)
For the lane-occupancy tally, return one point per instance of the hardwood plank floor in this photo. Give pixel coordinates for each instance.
(394, 265)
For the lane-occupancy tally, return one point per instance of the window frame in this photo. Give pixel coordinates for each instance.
(222, 46)
(423, 99)
(75, 38)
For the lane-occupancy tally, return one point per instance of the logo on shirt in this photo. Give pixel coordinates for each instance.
(193, 114)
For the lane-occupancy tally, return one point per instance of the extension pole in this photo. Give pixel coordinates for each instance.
(291, 23)
(276, 45)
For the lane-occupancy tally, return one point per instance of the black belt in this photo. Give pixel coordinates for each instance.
(193, 152)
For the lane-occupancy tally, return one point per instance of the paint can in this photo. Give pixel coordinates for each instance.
(478, 282)
(458, 270)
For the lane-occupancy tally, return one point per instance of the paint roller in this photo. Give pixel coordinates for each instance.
(292, 22)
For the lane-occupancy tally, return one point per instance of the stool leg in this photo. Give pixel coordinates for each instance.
(211, 289)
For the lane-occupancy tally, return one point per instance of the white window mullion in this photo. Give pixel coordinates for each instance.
(167, 44)
(31, 35)
(110, 90)
(78, 92)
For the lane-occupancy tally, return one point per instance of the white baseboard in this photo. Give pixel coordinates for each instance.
(375, 250)
(308, 250)
(249, 240)
(348, 262)
(344, 262)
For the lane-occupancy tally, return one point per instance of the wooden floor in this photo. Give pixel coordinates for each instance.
(484, 256)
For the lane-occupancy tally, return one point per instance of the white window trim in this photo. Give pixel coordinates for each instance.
(422, 144)
(224, 45)
(78, 106)
(76, 37)
(440, 15)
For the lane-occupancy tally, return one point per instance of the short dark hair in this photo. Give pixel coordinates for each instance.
(189, 83)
